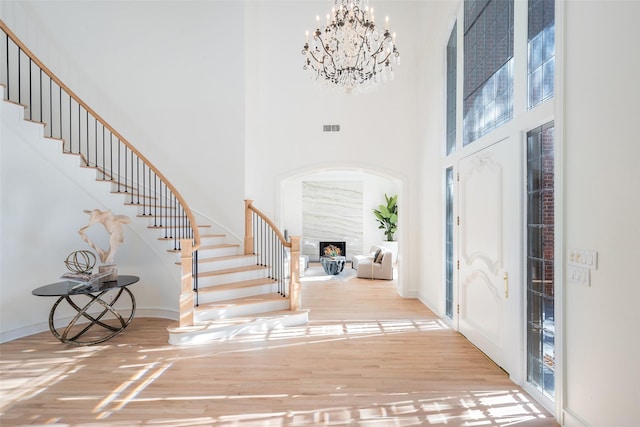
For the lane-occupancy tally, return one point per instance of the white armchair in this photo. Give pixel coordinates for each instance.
(377, 265)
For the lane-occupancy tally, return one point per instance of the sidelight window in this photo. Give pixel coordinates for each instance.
(541, 362)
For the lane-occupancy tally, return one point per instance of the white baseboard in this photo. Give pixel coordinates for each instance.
(36, 328)
(570, 419)
(426, 303)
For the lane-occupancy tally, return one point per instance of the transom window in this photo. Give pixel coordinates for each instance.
(488, 66)
(452, 69)
(541, 51)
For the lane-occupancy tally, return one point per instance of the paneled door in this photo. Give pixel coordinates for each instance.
(490, 252)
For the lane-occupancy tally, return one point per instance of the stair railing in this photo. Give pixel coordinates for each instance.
(282, 257)
(66, 117)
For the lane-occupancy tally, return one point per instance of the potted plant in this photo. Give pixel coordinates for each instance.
(387, 217)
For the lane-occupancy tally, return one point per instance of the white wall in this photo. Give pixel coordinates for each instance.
(44, 193)
(378, 130)
(438, 18)
(601, 210)
(168, 75)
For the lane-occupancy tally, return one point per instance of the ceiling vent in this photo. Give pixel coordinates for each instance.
(331, 128)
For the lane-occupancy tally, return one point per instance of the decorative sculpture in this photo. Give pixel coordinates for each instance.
(113, 224)
(80, 262)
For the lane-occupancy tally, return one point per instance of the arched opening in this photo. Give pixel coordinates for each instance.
(305, 194)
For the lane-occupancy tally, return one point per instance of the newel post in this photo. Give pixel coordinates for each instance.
(294, 285)
(186, 283)
(248, 228)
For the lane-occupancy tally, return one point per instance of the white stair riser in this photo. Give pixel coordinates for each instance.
(239, 276)
(241, 310)
(216, 252)
(223, 264)
(206, 297)
(208, 335)
(215, 240)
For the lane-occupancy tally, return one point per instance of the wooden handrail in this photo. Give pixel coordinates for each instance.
(53, 77)
(293, 246)
(285, 243)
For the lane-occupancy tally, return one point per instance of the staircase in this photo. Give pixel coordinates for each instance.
(226, 288)
(237, 294)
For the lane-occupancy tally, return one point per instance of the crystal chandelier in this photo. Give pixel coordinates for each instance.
(350, 53)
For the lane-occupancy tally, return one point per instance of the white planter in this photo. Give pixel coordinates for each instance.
(393, 247)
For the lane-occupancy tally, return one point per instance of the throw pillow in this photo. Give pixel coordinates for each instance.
(379, 255)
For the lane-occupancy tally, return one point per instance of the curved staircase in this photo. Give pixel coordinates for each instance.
(226, 288)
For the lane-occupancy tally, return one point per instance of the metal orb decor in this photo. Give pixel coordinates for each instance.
(80, 262)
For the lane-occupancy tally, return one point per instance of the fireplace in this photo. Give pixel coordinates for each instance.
(339, 249)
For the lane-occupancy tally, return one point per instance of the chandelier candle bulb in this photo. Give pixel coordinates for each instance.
(386, 23)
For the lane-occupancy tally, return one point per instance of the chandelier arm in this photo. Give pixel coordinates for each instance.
(385, 59)
(315, 59)
(324, 47)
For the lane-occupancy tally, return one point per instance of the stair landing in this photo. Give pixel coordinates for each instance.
(222, 329)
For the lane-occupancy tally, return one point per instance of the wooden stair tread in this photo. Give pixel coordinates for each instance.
(205, 247)
(219, 246)
(150, 215)
(219, 258)
(237, 285)
(54, 138)
(163, 227)
(129, 203)
(212, 235)
(135, 194)
(15, 103)
(231, 270)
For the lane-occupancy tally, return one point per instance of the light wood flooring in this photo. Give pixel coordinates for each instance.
(367, 357)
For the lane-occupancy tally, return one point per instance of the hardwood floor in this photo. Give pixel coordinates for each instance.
(367, 357)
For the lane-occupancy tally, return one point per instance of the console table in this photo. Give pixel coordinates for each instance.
(333, 265)
(101, 295)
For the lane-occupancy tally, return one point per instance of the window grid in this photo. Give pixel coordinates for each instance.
(488, 66)
(540, 260)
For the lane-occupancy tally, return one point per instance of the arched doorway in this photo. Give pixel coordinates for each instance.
(339, 189)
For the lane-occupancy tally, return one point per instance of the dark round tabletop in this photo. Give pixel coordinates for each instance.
(68, 287)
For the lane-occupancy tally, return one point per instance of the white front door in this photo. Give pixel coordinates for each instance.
(490, 245)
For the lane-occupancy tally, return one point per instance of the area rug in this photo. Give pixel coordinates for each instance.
(317, 274)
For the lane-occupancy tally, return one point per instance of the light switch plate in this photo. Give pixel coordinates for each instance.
(586, 258)
(579, 275)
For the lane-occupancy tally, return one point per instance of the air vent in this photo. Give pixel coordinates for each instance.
(331, 128)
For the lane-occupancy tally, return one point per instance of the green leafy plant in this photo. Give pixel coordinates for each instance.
(387, 216)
